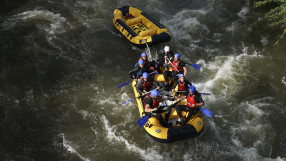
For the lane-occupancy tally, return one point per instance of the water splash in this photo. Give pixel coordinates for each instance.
(68, 145)
(148, 154)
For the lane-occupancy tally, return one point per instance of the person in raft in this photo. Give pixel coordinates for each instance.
(194, 100)
(178, 67)
(145, 84)
(147, 63)
(161, 58)
(151, 106)
(144, 58)
(137, 72)
(183, 86)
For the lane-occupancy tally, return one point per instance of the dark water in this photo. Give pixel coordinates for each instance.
(61, 62)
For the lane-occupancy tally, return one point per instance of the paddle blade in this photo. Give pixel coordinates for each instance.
(207, 112)
(205, 93)
(123, 84)
(142, 121)
(196, 66)
(127, 101)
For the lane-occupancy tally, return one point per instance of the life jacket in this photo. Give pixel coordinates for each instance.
(146, 62)
(146, 84)
(182, 86)
(191, 100)
(176, 64)
(155, 101)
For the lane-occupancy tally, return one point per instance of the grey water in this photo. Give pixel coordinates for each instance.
(61, 62)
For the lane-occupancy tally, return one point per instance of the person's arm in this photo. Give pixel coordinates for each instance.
(182, 64)
(132, 72)
(175, 85)
(138, 87)
(188, 83)
(166, 60)
(199, 101)
(148, 109)
(185, 70)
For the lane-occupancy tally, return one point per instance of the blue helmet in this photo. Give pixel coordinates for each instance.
(192, 89)
(141, 61)
(180, 75)
(177, 55)
(143, 54)
(145, 75)
(154, 93)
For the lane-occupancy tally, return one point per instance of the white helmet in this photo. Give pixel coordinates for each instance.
(167, 48)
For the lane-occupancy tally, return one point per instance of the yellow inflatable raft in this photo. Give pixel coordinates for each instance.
(138, 27)
(193, 128)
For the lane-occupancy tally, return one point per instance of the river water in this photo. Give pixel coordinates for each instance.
(61, 62)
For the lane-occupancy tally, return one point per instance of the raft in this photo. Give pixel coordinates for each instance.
(155, 130)
(139, 28)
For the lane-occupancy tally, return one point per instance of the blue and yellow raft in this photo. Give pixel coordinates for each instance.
(138, 27)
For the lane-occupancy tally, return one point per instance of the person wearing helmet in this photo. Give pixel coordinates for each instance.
(182, 84)
(151, 106)
(161, 58)
(194, 100)
(144, 58)
(137, 72)
(145, 83)
(178, 67)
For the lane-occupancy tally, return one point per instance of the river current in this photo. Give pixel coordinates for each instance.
(61, 62)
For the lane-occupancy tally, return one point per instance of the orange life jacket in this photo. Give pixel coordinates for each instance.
(191, 100)
(155, 102)
(146, 84)
(182, 86)
(176, 64)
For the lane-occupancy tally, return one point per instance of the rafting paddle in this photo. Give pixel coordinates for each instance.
(130, 100)
(196, 66)
(207, 112)
(204, 111)
(124, 84)
(200, 93)
(142, 121)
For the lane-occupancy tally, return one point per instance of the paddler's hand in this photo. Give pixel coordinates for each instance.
(135, 79)
(158, 87)
(173, 90)
(155, 109)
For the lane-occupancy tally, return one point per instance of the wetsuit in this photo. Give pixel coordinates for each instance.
(174, 73)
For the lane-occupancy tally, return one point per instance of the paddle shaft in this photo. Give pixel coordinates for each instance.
(172, 64)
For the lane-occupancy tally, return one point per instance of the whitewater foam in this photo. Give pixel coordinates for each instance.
(224, 71)
(283, 80)
(148, 154)
(68, 145)
(56, 25)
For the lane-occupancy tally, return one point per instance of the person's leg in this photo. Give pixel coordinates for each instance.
(179, 110)
(191, 111)
(167, 113)
(166, 77)
(174, 78)
(160, 118)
